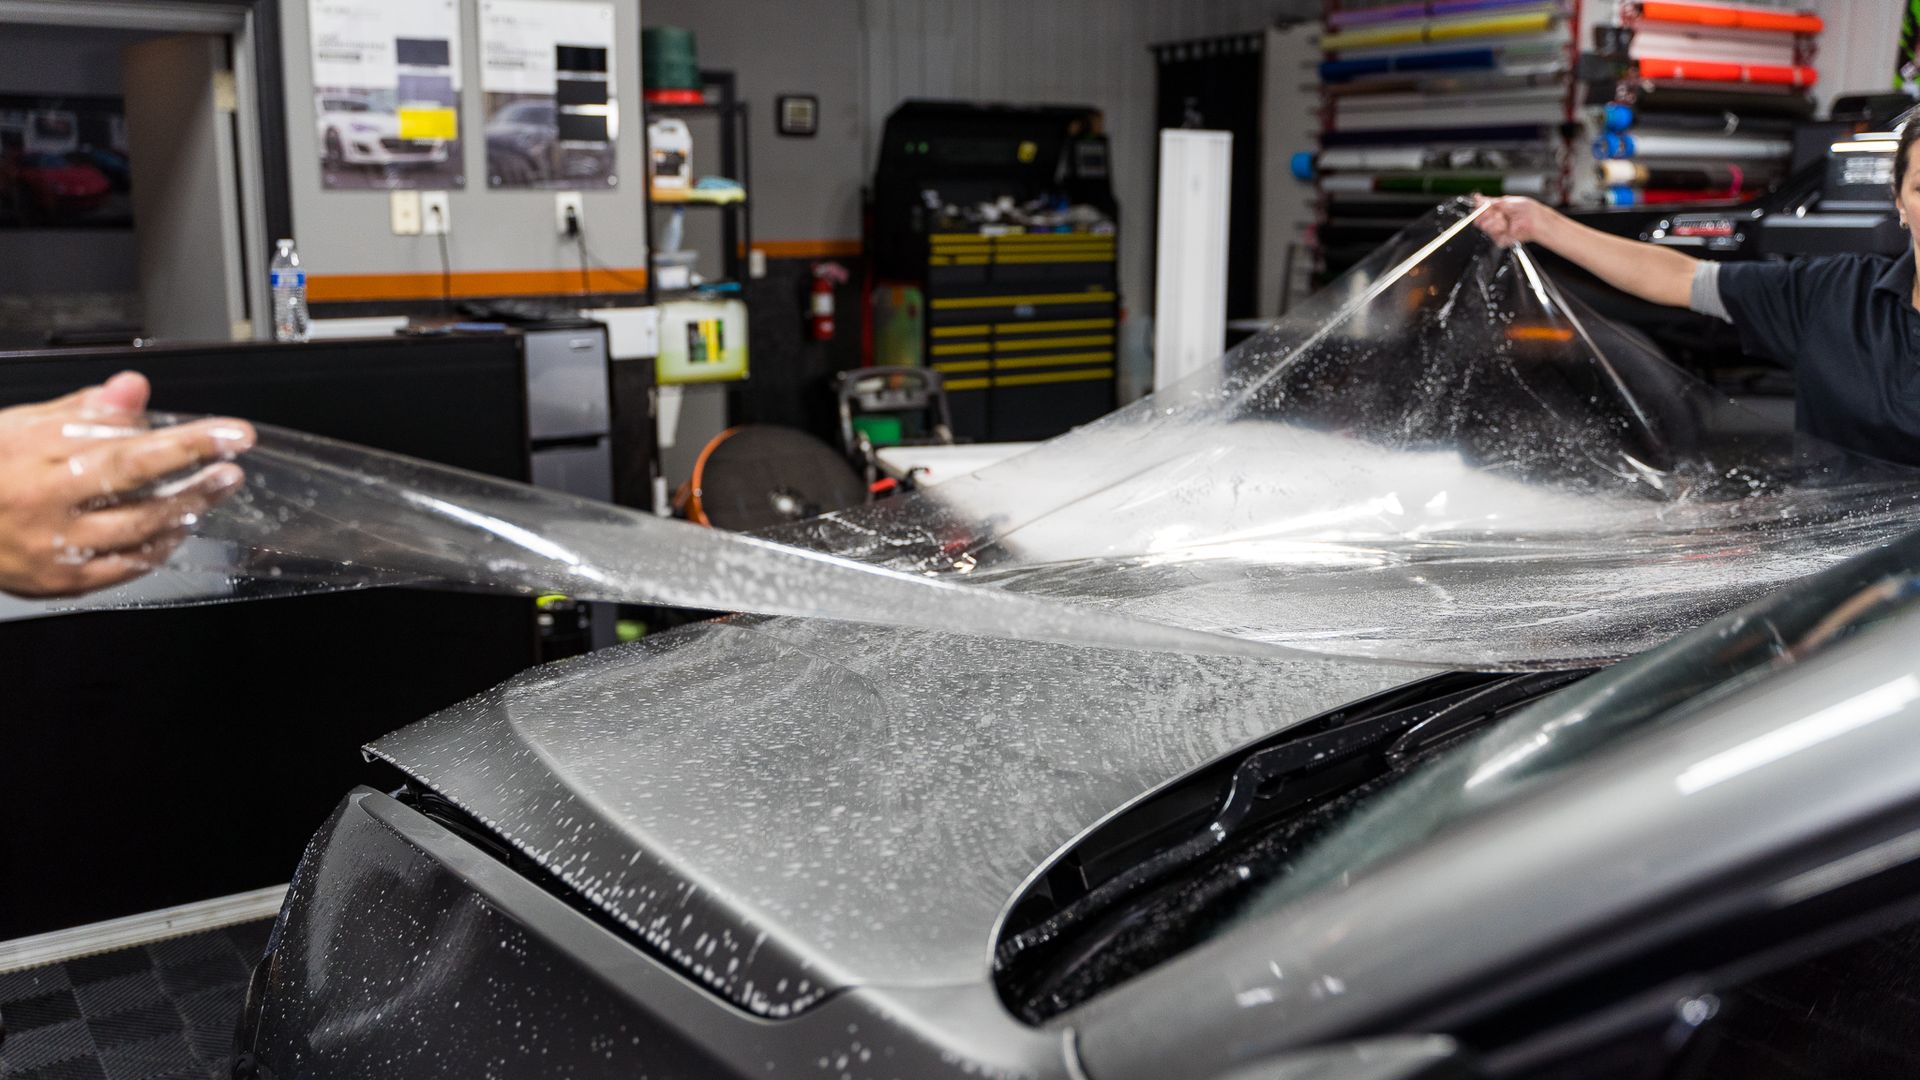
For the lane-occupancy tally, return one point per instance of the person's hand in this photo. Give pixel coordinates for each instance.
(1513, 219)
(78, 509)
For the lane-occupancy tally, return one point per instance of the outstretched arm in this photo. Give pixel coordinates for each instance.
(1651, 272)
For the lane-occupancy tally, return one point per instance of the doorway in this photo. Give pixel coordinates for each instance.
(129, 175)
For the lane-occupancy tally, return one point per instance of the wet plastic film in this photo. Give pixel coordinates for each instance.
(315, 516)
(1438, 459)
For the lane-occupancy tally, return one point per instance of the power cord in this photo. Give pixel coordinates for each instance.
(446, 264)
(579, 234)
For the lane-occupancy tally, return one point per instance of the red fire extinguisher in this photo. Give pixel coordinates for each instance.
(820, 306)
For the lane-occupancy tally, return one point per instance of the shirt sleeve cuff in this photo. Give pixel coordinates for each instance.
(1704, 297)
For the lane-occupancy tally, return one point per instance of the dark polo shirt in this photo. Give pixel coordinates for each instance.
(1846, 326)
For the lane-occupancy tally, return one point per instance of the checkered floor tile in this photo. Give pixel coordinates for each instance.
(165, 1011)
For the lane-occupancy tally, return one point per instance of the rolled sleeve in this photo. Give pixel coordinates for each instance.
(1763, 301)
(1704, 297)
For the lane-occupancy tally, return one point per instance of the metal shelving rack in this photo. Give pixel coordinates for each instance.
(736, 228)
(1360, 205)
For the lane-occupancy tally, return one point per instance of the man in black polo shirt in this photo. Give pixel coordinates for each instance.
(1848, 325)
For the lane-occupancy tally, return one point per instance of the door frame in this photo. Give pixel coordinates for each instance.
(266, 204)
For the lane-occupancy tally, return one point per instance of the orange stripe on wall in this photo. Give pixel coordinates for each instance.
(337, 288)
(809, 249)
(347, 288)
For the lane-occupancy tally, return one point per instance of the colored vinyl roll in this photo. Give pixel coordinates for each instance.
(1448, 82)
(1338, 71)
(1729, 17)
(1340, 20)
(1743, 98)
(1372, 160)
(1669, 197)
(1613, 144)
(1798, 75)
(1519, 133)
(1655, 144)
(1726, 178)
(1437, 30)
(1436, 184)
(1721, 123)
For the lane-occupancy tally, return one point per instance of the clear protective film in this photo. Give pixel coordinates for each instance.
(316, 515)
(1439, 459)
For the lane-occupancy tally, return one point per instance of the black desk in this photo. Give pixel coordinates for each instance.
(153, 758)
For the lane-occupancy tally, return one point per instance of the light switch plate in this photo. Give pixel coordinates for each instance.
(431, 223)
(405, 209)
(562, 202)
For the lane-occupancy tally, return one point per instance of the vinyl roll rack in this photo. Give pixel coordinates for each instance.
(1424, 101)
(1704, 101)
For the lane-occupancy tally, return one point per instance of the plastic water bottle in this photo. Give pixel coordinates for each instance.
(289, 294)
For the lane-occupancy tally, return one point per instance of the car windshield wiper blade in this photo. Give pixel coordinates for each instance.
(1301, 770)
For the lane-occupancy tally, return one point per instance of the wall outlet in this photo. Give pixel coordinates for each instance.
(404, 207)
(564, 201)
(436, 215)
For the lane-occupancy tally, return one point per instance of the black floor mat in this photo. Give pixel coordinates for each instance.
(165, 1011)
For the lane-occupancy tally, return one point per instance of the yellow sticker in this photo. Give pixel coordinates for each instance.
(1028, 151)
(429, 124)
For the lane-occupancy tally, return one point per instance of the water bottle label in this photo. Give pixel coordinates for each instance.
(299, 278)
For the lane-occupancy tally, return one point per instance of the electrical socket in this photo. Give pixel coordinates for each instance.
(564, 201)
(404, 208)
(435, 213)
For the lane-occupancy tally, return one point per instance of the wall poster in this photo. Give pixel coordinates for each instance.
(63, 163)
(547, 69)
(386, 97)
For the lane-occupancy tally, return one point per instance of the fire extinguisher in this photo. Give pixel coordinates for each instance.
(820, 305)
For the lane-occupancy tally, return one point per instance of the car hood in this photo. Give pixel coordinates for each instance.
(385, 124)
(785, 808)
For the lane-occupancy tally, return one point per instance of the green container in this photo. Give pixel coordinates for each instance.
(879, 430)
(669, 59)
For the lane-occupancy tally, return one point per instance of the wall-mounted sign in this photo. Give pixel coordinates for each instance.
(547, 69)
(386, 92)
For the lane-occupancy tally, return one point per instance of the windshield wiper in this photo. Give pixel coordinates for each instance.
(1319, 761)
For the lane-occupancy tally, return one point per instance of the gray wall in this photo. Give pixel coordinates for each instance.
(862, 57)
(803, 188)
(348, 232)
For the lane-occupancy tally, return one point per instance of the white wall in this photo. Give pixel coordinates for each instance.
(1858, 46)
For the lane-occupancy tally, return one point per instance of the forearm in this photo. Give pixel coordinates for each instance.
(1657, 274)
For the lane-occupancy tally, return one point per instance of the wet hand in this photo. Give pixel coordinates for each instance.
(1512, 219)
(81, 503)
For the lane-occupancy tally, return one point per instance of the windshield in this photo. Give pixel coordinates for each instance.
(1666, 684)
